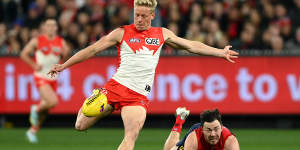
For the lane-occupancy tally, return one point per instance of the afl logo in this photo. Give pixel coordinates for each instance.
(152, 41)
(44, 48)
(56, 49)
(134, 40)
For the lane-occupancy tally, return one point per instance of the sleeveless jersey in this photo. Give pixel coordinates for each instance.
(48, 53)
(202, 144)
(138, 57)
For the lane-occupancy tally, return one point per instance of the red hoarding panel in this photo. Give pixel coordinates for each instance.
(253, 85)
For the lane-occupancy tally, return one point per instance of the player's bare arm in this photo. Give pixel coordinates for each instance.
(25, 54)
(191, 142)
(231, 143)
(105, 42)
(174, 148)
(197, 47)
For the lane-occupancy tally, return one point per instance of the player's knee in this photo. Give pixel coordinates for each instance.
(51, 103)
(80, 127)
(132, 135)
(54, 103)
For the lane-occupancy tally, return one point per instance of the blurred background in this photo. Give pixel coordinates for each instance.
(258, 96)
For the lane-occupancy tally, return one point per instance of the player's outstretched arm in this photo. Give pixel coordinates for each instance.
(105, 42)
(191, 142)
(231, 143)
(197, 47)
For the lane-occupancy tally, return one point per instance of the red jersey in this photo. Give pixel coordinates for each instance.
(48, 53)
(203, 145)
(138, 52)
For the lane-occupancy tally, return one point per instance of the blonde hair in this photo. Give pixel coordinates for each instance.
(147, 3)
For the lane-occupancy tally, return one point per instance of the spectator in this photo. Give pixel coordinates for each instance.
(82, 40)
(219, 15)
(194, 32)
(34, 32)
(294, 14)
(41, 4)
(294, 44)
(255, 19)
(163, 6)
(215, 31)
(174, 13)
(3, 38)
(286, 29)
(24, 36)
(64, 22)
(123, 15)
(8, 12)
(69, 8)
(97, 11)
(268, 15)
(245, 10)
(235, 23)
(72, 35)
(273, 30)
(3, 34)
(196, 13)
(277, 44)
(98, 32)
(173, 27)
(33, 19)
(86, 6)
(205, 24)
(51, 12)
(14, 47)
(283, 21)
(184, 6)
(112, 7)
(83, 19)
(246, 41)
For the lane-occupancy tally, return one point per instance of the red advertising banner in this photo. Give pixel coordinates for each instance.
(253, 85)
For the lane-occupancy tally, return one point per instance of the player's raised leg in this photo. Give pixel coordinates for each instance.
(83, 122)
(93, 109)
(173, 139)
(133, 119)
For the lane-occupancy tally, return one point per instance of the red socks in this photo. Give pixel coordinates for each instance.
(34, 129)
(178, 124)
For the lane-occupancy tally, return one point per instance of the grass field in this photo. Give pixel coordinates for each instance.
(149, 139)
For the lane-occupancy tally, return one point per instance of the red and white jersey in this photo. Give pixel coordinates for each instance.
(138, 57)
(48, 53)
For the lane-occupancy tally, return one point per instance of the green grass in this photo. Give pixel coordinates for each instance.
(149, 139)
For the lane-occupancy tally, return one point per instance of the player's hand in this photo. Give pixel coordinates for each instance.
(229, 54)
(56, 68)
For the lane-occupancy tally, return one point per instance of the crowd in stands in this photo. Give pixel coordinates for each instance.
(244, 24)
